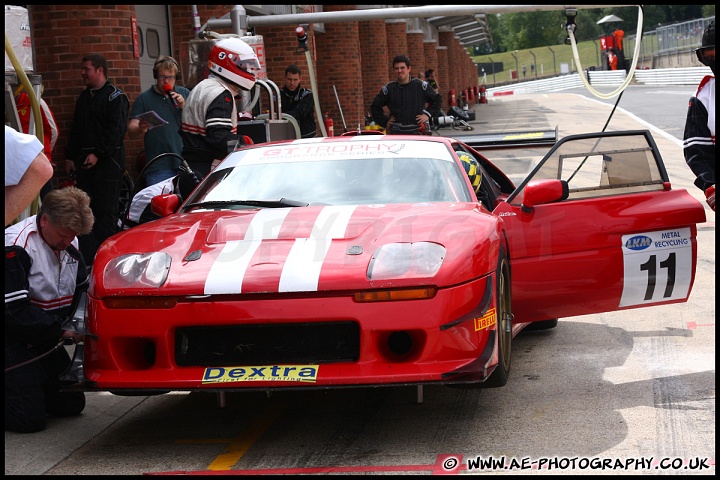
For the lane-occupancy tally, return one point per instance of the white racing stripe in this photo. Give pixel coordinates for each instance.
(227, 273)
(301, 272)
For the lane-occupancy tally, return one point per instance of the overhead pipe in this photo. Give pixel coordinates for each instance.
(378, 14)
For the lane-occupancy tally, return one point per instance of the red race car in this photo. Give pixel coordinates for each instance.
(381, 260)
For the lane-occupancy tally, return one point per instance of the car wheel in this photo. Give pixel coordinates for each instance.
(542, 325)
(500, 375)
(458, 113)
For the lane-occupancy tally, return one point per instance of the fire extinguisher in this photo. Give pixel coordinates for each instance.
(453, 100)
(483, 94)
(329, 125)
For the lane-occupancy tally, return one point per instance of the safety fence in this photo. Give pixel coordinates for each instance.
(611, 78)
(669, 45)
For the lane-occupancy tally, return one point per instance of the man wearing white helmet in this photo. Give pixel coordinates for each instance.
(209, 119)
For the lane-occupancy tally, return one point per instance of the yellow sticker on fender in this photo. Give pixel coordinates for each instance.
(486, 321)
(266, 373)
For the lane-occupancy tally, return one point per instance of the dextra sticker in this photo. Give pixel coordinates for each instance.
(486, 321)
(657, 266)
(267, 373)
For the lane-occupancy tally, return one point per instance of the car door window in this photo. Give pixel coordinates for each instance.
(601, 165)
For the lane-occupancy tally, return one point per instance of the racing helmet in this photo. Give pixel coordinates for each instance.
(708, 44)
(472, 168)
(235, 61)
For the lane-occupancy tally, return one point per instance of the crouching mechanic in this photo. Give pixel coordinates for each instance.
(44, 275)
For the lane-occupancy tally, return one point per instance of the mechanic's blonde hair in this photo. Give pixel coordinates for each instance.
(68, 207)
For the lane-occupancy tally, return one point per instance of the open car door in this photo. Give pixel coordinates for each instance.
(597, 227)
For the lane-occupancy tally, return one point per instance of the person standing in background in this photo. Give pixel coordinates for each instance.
(96, 149)
(699, 136)
(168, 104)
(411, 102)
(209, 119)
(430, 79)
(297, 101)
(612, 60)
(50, 128)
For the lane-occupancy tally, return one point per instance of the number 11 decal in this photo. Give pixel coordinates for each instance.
(657, 267)
(651, 267)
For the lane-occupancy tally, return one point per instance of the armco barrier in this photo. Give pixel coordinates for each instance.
(672, 76)
(612, 78)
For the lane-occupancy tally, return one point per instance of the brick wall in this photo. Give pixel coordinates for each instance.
(374, 52)
(62, 35)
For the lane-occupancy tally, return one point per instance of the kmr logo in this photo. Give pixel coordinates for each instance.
(639, 242)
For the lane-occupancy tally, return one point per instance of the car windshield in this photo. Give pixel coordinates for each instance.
(334, 173)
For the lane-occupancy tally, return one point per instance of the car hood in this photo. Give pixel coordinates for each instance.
(306, 249)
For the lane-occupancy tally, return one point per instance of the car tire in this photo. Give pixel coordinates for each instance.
(503, 301)
(542, 325)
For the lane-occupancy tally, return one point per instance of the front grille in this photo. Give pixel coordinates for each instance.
(294, 343)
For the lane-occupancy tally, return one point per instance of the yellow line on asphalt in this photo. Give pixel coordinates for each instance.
(236, 447)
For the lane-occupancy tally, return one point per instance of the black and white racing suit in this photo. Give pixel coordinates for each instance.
(209, 124)
(699, 137)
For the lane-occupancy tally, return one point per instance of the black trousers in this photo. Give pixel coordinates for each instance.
(102, 183)
(32, 392)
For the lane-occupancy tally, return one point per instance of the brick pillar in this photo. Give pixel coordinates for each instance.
(396, 42)
(340, 65)
(442, 77)
(374, 55)
(431, 58)
(459, 60)
(451, 82)
(416, 52)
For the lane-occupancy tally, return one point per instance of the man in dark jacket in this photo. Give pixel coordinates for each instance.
(298, 102)
(412, 102)
(96, 149)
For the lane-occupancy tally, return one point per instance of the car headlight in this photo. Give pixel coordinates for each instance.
(137, 270)
(406, 260)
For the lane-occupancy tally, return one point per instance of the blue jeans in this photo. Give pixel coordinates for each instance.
(158, 176)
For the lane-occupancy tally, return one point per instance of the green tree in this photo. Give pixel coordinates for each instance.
(522, 30)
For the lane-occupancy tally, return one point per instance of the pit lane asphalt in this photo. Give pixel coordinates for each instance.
(631, 384)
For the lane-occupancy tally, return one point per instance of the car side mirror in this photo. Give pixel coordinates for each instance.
(165, 204)
(538, 192)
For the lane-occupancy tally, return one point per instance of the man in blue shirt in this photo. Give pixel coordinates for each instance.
(168, 102)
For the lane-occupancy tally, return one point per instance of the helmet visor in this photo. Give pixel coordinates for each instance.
(705, 55)
(247, 64)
